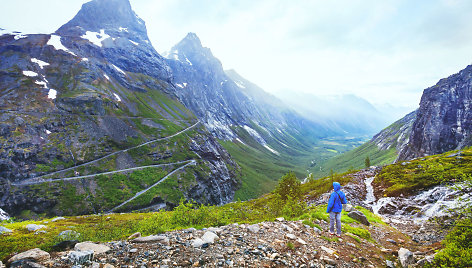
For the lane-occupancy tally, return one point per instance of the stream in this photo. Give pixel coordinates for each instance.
(435, 202)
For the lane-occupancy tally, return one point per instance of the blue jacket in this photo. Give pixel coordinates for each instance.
(336, 199)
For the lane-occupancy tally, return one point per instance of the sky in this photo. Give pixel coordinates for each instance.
(384, 51)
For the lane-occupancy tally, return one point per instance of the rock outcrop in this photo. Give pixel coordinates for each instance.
(444, 119)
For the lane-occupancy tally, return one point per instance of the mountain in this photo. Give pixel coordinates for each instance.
(345, 113)
(382, 149)
(444, 119)
(263, 135)
(442, 123)
(90, 122)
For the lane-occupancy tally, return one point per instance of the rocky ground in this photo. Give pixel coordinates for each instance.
(267, 244)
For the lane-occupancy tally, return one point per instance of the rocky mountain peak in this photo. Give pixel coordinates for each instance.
(112, 16)
(191, 51)
(444, 119)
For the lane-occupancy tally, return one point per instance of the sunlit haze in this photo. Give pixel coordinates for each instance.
(383, 51)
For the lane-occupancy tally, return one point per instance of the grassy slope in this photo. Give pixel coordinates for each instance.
(355, 159)
(410, 176)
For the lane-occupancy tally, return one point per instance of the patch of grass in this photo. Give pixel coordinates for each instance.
(360, 232)
(330, 239)
(358, 240)
(410, 176)
(309, 223)
(290, 245)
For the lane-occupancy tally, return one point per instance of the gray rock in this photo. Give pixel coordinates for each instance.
(391, 241)
(25, 264)
(34, 227)
(58, 219)
(35, 254)
(68, 235)
(328, 260)
(209, 237)
(254, 228)
(357, 215)
(291, 236)
(151, 239)
(95, 248)
(4, 230)
(316, 230)
(65, 245)
(389, 264)
(405, 257)
(79, 257)
(198, 242)
(348, 208)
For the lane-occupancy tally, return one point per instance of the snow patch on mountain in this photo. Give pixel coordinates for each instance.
(30, 73)
(52, 93)
(41, 83)
(55, 41)
(95, 38)
(39, 62)
(259, 139)
(17, 35)
(117, 97)
(137, 44)
(118, 69)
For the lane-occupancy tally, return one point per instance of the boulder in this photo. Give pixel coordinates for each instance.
(35, 254)
(209, 237)
(348, 208)
(330, 251)
(405, 257)
(254, 228)
(58, 219)
(94, 248)
(68, 235)
(389, 264)
(135, 235)
(357, 215)
(291, 236)
(64, 245)
(197, 243)
(26, 264)
(151, 239)
(34, 227)
(79, 257)
(4, 230)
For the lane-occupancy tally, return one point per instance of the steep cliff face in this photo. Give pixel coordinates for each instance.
(96, 97)
(444, 119)
(396, 135)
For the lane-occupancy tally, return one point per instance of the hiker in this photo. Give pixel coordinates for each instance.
(335, 206)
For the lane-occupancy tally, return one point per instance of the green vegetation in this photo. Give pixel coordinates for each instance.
(356, 159)
(186, 214)
(458, 242)
(457, 247)
(296, 152)
(409, 176)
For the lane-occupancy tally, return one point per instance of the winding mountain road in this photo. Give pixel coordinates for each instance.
(36, 181)
(154, 185)
(30, 180)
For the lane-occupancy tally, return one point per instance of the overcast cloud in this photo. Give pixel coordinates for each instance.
(384, 51)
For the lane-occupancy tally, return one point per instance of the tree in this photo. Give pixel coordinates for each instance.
(367, 162)
(289, 186)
